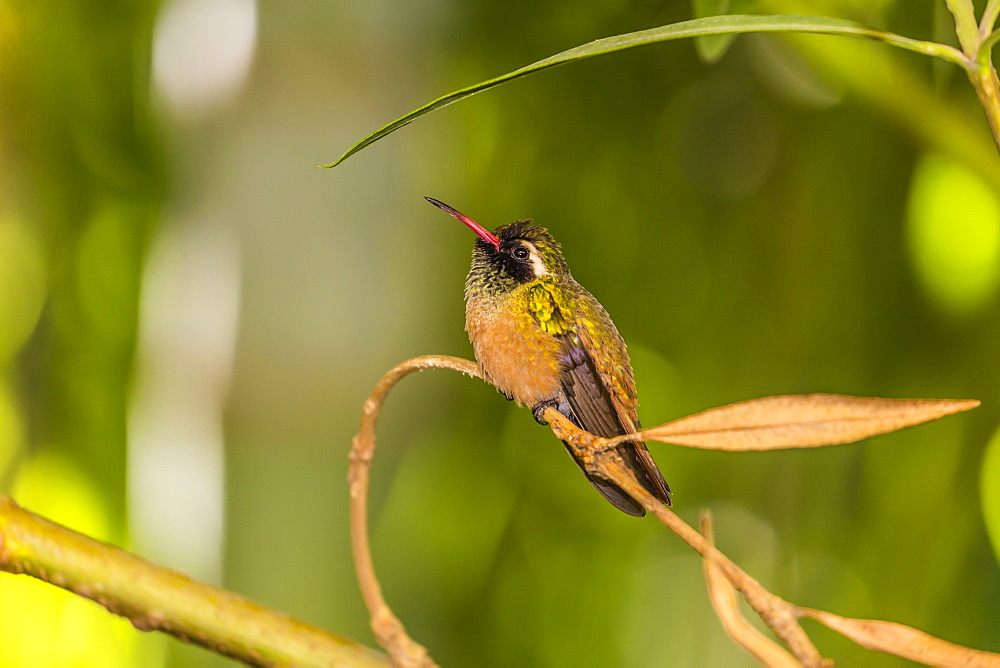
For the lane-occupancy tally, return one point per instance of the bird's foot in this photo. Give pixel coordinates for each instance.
(538, 410)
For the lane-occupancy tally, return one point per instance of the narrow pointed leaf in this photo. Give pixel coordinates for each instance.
(710, 25)
(905, 641)
(800, 421)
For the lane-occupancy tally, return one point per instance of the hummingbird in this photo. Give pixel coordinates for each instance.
(543, 341)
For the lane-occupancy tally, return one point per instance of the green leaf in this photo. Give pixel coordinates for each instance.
(711, 25)
(965, 24)
(989, 16)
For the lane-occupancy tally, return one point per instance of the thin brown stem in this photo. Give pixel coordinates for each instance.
(777, 613)
(984, 80)
(723, 597)
(388, 629)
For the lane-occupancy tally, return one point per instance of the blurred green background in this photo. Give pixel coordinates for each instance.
(191, 315)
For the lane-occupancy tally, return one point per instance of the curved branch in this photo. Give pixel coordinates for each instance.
(389, 631)
(600, 458)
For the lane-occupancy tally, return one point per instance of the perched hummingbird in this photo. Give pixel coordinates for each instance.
(543, 340)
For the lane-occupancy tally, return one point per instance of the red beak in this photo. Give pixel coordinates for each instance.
(481, 231)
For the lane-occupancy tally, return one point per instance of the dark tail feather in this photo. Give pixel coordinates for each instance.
(645, 469)
(610, 491)
(645, 472)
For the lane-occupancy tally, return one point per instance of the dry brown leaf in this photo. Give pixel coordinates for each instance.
(799, 421)
(904, 641)
(723, 596)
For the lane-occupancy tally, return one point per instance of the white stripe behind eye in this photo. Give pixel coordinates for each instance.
(535, 258)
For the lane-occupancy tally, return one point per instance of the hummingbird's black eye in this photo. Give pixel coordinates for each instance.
(520, 253)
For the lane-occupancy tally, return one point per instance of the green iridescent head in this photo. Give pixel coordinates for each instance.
(512, 254)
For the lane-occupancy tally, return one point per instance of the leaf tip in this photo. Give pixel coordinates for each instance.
(354, 149)
(962, 405)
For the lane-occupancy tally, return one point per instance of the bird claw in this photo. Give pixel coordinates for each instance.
(538, 410)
